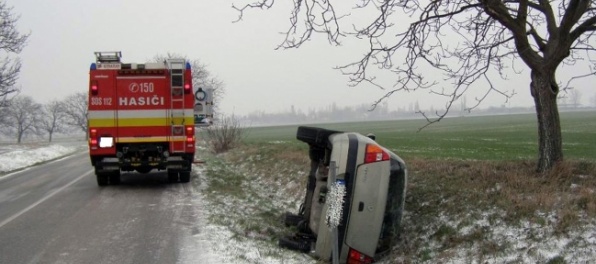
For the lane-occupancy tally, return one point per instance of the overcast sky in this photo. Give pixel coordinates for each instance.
(65, 33)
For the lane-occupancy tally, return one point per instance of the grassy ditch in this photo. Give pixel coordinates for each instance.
(496, 210)
(250, 187)
(456, 210)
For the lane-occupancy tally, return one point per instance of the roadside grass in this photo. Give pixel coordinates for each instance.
(475, 210)
(250, 188)
(459, 207)
(456, 205)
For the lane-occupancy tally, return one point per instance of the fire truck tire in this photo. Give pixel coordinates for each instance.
(115, 177)
(172, 176)
(184, 176)
(102, 178)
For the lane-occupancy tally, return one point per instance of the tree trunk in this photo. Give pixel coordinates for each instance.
(550, 144)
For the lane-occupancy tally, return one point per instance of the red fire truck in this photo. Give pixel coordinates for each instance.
(140, 117)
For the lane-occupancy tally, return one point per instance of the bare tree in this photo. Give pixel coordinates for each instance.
(225, 135)
(11, 42)
(75, 110)
(470, 42)
(22, 116)
(201, 77)
(463, 106)
(52, 117)
(575, 97)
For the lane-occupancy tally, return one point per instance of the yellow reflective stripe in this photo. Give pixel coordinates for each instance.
(148, 139)
(140, 122)
(188, 120)
(140, 139)
(102, 122)
(141, 113)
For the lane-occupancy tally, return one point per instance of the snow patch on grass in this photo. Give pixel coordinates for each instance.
(232, 223)
(14, 157)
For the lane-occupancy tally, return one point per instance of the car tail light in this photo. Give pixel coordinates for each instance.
(355, 257)
(374, 153)
(94, 88)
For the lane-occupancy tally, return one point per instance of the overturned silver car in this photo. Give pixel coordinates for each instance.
(354, 198)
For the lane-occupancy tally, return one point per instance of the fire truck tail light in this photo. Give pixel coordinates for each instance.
(94, 88)
(93, 133)
(187, 88)
(190, 139)
(94, 142)
(190, 131)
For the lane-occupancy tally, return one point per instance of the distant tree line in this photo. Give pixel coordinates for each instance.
(569, 100)
(22, 117)
(364, 112)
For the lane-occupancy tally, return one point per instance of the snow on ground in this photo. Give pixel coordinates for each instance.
(525, 243)
(218, 244)
(213, 243)
(210, 243)
(15, 157)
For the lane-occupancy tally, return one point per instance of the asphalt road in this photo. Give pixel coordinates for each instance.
(56, 213)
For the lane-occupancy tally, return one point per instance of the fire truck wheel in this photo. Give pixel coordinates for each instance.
(172, 176)
(115, 177)
(184, 176)
(102, 178)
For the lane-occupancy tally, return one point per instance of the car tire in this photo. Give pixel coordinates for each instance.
(303, 226)
(184, 176)
(314, 135)
(292, 219)
(295, 244)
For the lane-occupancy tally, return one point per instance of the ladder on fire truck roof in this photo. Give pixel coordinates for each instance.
(108, 56)
(176, 68)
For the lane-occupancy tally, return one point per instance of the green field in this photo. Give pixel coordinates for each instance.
(505, 137)
(472, 186)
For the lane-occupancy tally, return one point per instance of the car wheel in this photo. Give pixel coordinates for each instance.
(292, 219)
(314, 135)
(295, 244)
